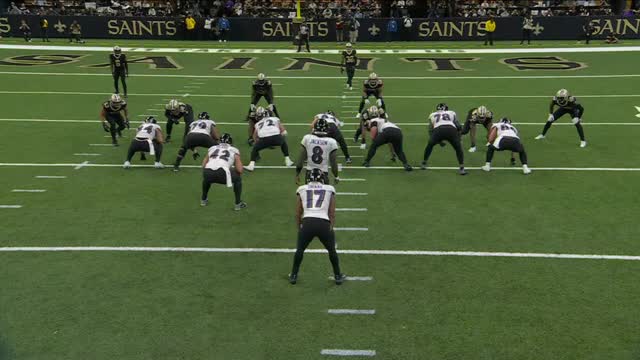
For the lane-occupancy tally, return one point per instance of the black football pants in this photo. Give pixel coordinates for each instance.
(310, 229)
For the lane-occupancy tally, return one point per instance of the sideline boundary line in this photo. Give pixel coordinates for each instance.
(319, 251)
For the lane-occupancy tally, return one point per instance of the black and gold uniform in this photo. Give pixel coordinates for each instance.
(372, 87)
(262, 88)
(26, 31)
(75, 32)
(349, 61)
(477, 116)
(562, 104)
(119, 69)
(115, 117)
(173, 112)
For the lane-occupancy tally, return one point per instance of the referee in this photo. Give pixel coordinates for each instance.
(119, 69)
(303, 37)
(315, 216)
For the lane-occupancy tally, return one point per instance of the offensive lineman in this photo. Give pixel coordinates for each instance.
(269, 132)
(149, 139)
(566, 104)
(371, 87)
(119, 69)
(315, 217)
(385, 132)
(504, 136)
(262, 87)
(202, 133)
(349, 61)
(114, 112)
(175, 110)
(319, 150)
(444, 125)
(217, 169)
(334, 132)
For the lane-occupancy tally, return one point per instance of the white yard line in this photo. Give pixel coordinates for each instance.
(50, 177)
(152, 109)
(350, 229)
(482, 254)
(80, 166)
(352, 209)
(344, 352)
(351, 194)
(100, 144)
(86, 154)
(10, 206)
(352, 179)
(28, 190)
(145, 115)
(351, 312)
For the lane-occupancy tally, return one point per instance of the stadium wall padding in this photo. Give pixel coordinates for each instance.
(245, 29)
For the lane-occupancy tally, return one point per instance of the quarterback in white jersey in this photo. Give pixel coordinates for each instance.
(149, 138)
(202, 133)
(319, 150)
(315, 216)
(504, 136)
(269, 132)
(333, 131)
(444, 126)
(223, 166)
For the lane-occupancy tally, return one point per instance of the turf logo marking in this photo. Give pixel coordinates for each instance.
(638, 109)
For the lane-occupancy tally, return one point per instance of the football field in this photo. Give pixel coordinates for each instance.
(98, 262)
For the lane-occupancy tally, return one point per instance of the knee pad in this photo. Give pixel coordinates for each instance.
(575, 120)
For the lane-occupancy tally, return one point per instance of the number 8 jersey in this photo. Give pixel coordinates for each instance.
(318, 151)
(316, 199)
(221, 156)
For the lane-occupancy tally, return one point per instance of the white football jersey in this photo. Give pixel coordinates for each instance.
(268, 127)
(442, 118)
(386, 125)
(330, 119)
(221, 156)
(148, 131)
(316, 199)
(202, 126)
(318, 150)
(504, 130)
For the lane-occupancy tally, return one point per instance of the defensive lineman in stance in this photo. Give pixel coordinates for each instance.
(119, 69)
(480, 115)
(174, 111)
(566, 104)
(504, 136)
(444, 125)
(349, 62)
(149, 139)
(268, 132)
(315, 216)
(114, 112)
(334, 132)
(319, 150)
(371, 87)
(385, 132)
(202, 133)
(262, 88)
(223, 166)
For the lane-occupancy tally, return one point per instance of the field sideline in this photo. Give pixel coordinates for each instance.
(103, 263)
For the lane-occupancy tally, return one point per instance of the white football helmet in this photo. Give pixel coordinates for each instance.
(173, 105)
(115, 98)
(482, 111)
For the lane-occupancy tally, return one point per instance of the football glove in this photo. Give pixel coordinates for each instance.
(379, 102)
(175, 121)
(284, 133)
(366, 101)
(127, 124)
(196, 155)
(106, 126)
(550, 118)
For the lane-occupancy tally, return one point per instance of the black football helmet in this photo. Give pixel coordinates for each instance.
(330, 112)
(204, 116)
(316, 175)
(226, 138)
(442, 107)
(505, 120)
(151, 120)
(321, 126)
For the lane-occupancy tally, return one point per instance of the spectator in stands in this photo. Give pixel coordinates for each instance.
(228, 7)
(392, 29)
(340, 29)
(224, 26)
(190, 27)
(490, 28)
(151, 12)
(13, 9)
(327, 13)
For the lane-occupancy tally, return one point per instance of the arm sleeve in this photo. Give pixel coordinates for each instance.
(300, 160)
(333, 160)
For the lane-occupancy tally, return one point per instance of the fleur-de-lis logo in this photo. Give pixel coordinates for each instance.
(60, 27)
(538, 29)
(374, 30)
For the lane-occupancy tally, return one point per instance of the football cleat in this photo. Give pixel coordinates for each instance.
(348, 160)
(539, 137)
(462, 172)
(126, 165)
(366, 164)
(526, 170)
(472, 149)
(423, 165)
(115, 142)
(158, 165)
(407, 167)
(239, 206)
(250, 167)
(168, 139)
(350, 88)
(340, 279)
(486, 167)
(583, 144)
(363, 146)
(393, 157)
(204, 202)
(513, 162)
(293, 279)
(288, 162)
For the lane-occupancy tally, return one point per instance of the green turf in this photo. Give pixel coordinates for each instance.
(240, 306)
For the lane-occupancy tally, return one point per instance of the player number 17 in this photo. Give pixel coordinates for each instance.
(310, 194)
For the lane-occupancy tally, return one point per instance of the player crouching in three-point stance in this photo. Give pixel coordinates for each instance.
(567, 104)
(315, 216)
(371, 87)
(480, 115)
(319, 150)
(202, 133)
(149, 139)
(268, 132)
(444, 125)
(383, 132)
(114, 112)
(504, 136)
(223, 166)
(333, 130)
(175, 110)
